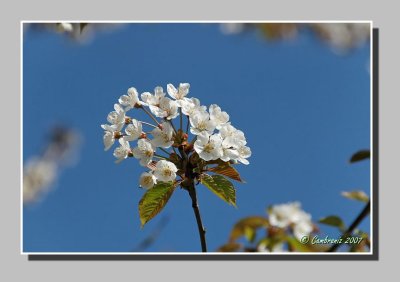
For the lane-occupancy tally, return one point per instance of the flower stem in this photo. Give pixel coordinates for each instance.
(187, 125)
(149, 124)
(180, 118)
(170, 122)
(194, 140)
(192, 193)
(353, 226)
(165, 151)
(160, 157)
(150, 115)
(195, 206)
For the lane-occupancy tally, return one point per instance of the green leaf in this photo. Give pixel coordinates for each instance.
(296, 246)
(250, 234)
(154, 200)
(360, 156)
(333, 220)
(230, 247)
(242, 227)
(356, 195)
(227, 170)
(221, 187)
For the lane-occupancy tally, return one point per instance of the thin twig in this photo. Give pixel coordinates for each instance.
(187, 125)
(192, 193)
(150, 115)
(161, 157)
(170, 122)
(149, 124)
(180, 119)
(353, 226)
(195, 206)
(165, 151)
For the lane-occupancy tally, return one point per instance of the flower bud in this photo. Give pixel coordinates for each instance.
(117, 135)
(128, 120)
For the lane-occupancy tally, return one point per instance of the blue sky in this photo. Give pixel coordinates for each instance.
(304, 110)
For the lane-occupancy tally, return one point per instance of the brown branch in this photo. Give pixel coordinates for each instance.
(353, 226)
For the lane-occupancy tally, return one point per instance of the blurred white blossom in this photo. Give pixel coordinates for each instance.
(291, 215)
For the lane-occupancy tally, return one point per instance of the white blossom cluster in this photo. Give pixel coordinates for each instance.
(291, 214)
(213, 135)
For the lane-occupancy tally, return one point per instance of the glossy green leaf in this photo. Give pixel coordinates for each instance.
(154, 200)
(333, 220)
(221, 187)
(360, 156)
(227, 170)
(356, 195)
(246, 224)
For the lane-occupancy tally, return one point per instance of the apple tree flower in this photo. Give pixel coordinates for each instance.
(167, 108)
(180, 93)
(133, 130)
(163, 137)
(217, 116)
(144, 152)
(201, 147)
(208, 147)
(165, 171)
(153, 100)
(201, 122)
(122, 151)
(147, 180)
(130, 100)
(190, 106)
(291, 214)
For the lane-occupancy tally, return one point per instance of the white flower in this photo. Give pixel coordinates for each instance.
(116, 118)
(219, 117)
(208, 147)
(108, 139)
(277, 248)
(133, 131)
(144, 152)
(228, 149)
(130, 100)
(165, 171)
(163, 137)
(284, 214)
(153, 100)
(244, 153)
(227, 130)
(121, 152)
(291, 214)
(147, 180)
(166, 109)
(303, 227)
(180, 94)
(200, 122)
(192, 105)
(65, 27)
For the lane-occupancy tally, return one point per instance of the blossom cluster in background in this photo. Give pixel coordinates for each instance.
(41, 171)
(290, 215)
(213, 136)
(341, 36)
